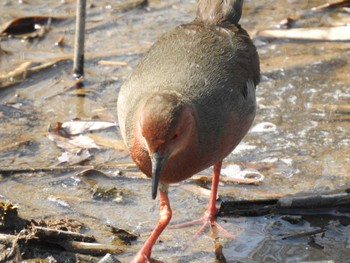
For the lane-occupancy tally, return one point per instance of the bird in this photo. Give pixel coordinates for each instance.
(188, 103)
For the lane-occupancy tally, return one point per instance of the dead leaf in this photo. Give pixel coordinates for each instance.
(25, 25)
(69, 137)
(75, 147)
(73, 144)
(340, 33)
(75, 127)
(74, 157)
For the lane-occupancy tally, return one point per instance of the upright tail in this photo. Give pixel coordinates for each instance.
(216, 12)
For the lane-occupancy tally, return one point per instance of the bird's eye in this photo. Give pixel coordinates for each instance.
(175, 136)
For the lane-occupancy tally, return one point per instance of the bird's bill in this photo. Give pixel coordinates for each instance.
(157, 165)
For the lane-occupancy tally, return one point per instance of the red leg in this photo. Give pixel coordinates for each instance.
(209, 217)
(144, 255)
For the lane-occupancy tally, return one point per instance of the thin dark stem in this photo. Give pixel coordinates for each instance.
(78, 67)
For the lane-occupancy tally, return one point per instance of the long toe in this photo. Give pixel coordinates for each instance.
(205, 221)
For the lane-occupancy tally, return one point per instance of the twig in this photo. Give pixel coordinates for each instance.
(14, 252)
(113, 63)
(224, 179)
(283, 205)
(7, 239)
(88, 248)
(288, 22)
(71, 241)
(24, 70)
(304, 234)
(65, 239)
(341, 3)
(314, 201)
(45, 233)
(317, 9)
(124, 166)
(14, 145)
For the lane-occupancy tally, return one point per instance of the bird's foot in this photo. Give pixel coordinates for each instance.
(141, 257)
(207, 220)
(144, 258)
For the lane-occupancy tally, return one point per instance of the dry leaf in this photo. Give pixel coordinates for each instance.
(72, 143)
(76, 127)
(25, 25)
(69, 137)
(74, 158)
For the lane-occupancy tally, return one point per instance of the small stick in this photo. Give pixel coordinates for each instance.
(78, 67)
(6, 239)
(287, 204)
(49, 233)
(89, 248)
(305, 234)
(113, 63)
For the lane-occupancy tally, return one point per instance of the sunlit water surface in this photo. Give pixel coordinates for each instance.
(299, 141)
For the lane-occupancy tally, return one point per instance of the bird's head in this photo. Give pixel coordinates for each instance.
(165, 123)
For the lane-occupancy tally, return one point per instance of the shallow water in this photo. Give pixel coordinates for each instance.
(299, 141)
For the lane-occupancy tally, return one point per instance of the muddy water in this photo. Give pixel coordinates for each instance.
(300, 139)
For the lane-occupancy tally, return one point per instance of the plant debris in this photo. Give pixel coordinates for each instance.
(9, 220)
(27, 26)
(70, 137)
(122, 236)
(286, 204)
(52, 236)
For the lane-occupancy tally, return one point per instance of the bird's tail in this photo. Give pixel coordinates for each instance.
(217, 12)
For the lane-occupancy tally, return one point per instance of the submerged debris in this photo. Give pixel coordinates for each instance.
(122, 236)
(35, 239)
(287, 204)
(9, 220)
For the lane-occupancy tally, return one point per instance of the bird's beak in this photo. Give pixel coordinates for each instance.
(157, 165)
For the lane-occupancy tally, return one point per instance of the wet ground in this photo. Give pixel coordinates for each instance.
(299, 141)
